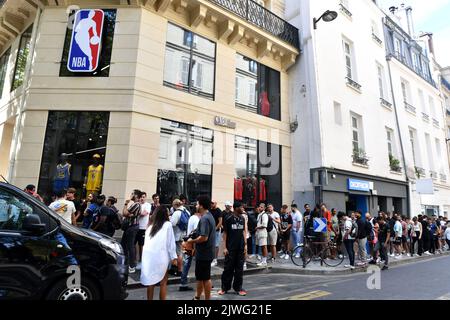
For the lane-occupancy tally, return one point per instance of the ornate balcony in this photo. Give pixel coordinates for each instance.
(436, 123)
(410, 108)
(345, 11)
(263, 18)
(353, 84)
(425, 117)
(385, 103)
(377, 39)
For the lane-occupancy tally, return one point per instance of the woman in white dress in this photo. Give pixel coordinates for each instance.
(159, 253)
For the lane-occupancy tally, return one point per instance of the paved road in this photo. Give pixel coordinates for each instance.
(426, 280)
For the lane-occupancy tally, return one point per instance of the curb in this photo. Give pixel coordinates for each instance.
(331, 271)
(215, 276)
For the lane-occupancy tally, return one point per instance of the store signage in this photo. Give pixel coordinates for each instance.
(224, 122)
(85, 45)
(358, 185)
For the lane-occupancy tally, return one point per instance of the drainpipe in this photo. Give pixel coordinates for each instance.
(408, 197)
(25, 87)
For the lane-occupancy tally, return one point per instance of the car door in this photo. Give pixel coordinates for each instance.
(23, 256)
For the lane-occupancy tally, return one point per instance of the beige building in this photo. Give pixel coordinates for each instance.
(187, 97)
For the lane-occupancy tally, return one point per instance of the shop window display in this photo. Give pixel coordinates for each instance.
(253, 184)
(74, 153)
(185, 161)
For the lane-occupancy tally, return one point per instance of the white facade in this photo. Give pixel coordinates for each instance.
(342, 95)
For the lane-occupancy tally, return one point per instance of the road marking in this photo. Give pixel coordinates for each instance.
(444, 297)
(310, 295)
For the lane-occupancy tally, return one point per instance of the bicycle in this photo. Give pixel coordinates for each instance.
(309, 252)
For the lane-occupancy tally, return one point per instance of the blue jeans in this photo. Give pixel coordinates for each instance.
(187, 261)
(296, 240)
(253, 237)
(349, 246)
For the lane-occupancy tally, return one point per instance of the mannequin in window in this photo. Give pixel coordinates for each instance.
(93, 180)
(262, 190)
(264, 102)
(62, 176)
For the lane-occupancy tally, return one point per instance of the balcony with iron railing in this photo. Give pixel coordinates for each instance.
(425, 117)
(353, 84)
(376, 38)
(433, 175)
(436, 123)
(443, 177)
(385, 103)
(410, 108)
(345, 11)
(262, 18)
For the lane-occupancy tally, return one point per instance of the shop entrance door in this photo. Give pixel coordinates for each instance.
(357, 202)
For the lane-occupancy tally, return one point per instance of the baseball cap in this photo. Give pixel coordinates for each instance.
(228, 204)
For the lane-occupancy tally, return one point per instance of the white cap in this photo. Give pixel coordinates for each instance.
(228, 204)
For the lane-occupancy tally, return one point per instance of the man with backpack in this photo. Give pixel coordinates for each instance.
(179, 220)
(103, 218)
(349, 235)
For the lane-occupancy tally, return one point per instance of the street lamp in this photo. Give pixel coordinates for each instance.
(327, 16)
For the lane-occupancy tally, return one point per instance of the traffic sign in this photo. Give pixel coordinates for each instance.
(320, 225)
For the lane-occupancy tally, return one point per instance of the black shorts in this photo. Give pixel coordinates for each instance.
(140, 237)
(202, 270)
(286, 236)
(404, 240)
(398, 240)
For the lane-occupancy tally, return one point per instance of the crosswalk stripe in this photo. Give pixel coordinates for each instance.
(310, 295)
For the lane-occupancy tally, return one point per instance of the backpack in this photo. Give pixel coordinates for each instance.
(269, 223)
(354, 230)
(184, 220)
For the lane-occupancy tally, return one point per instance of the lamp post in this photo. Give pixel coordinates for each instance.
(327, 16)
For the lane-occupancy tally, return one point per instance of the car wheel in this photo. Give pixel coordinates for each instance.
(86, 291)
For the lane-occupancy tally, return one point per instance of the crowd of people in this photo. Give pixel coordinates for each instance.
(161, 240)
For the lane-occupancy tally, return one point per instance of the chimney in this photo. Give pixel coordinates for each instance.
(409, 20)
(431, 43)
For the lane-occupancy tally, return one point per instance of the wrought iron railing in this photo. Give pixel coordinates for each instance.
(263, 18)
(353, 84)
(433, 175)
(425, 117)
(443, 177)
(420, 172)
(376, 38)
(345, 10)
(435, 122)
(409, 107)
(385, 103)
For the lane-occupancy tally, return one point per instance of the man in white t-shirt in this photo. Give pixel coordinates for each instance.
(146, 209)
(273, 234)
(187, 254)
(447, 235)
(297, 229)
(66, 209)
(261, 233)
(349, 235)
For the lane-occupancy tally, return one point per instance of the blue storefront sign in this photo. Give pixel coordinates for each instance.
(358, 185)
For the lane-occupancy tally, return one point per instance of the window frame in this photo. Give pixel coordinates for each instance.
(192, 54)
(14, 86)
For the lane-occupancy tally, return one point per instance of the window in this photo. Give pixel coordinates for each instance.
(422, 102)
(398, 48)
(381, 81)
(104, 62)
(258, 88)
(348, 53)
(258, 172)
(185, 161)
(357, 136)
(190, 62)
(3, 69)
(337, 114)
(405, 91)
(80, 135)
(432, 107)
(22, 58)
(14, 209)
(438, 152)
(375, 31)
(416, 62)
(425, 69)
(414, 146)
(429, 152)
(390, 141)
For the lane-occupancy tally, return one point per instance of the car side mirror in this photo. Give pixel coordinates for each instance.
(32, 223)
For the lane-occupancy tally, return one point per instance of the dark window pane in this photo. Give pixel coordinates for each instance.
(106, 49)
(3, 67)
(22, 57)
(80, 135)
(185, 161)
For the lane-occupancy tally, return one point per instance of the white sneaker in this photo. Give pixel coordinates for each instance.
(245, 266)
(398, 257)
(392, 255)
(428, 253)
(286, 257)
(262, 264)
(341, 256)
(282, 257)
(251, 256)
(408, 254)
(297, 256)
(214, 263)
(258, 257)
(415, 255)
(131, 270)
(347, 266)
(139, 266)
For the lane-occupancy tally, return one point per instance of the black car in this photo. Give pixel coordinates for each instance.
(44, 257)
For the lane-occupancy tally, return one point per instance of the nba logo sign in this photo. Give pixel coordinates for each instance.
(86, 40)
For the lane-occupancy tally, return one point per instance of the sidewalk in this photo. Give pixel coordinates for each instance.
(286, 266)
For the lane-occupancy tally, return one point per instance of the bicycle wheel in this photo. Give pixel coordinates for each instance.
(331, 262)
(304, 258)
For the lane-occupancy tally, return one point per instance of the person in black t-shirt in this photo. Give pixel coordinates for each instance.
(218, 218)
(103, 218)
(384, 236)
(285, 230)
(234, 236)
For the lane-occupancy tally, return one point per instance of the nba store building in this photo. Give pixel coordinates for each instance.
(171, 97)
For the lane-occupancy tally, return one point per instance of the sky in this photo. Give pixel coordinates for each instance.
(430, 16)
